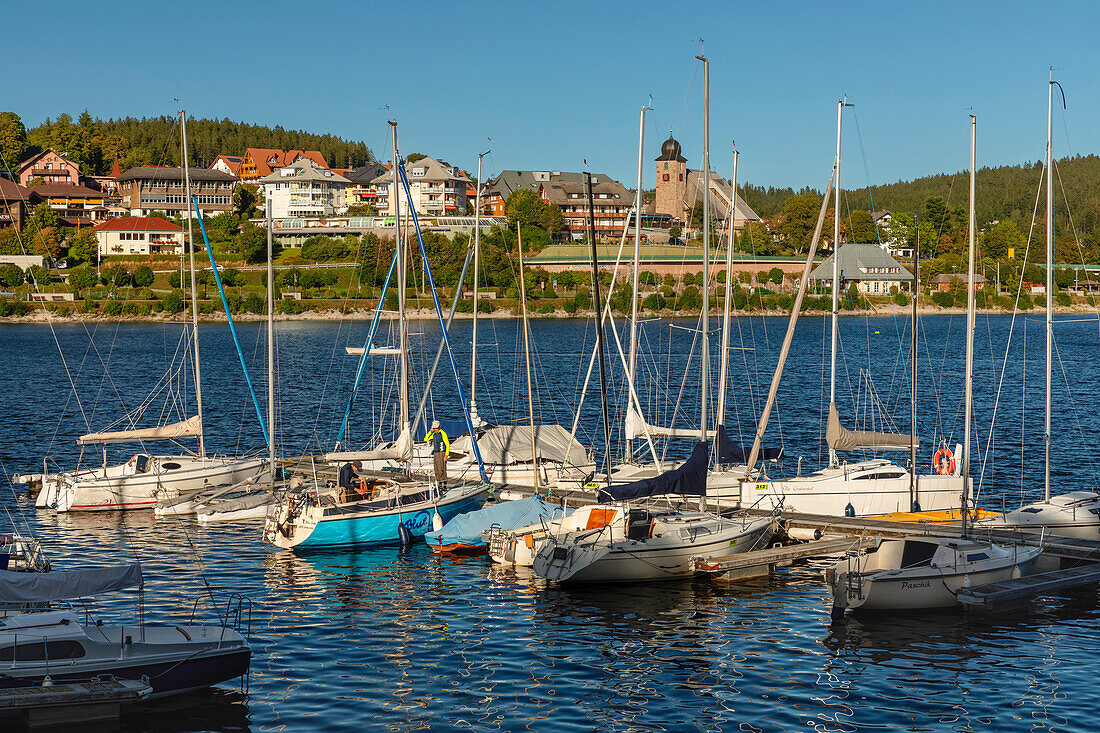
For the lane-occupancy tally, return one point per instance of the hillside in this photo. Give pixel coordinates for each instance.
(156, 141)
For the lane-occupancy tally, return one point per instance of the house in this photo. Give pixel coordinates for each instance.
(135, 235)
(259, 162)
(495, 192)
(13, 204)
(148, 189)
(360, 190)
(680, 189)
(943, 282)
(76, 205)
(437, 187)
(227, 164)
(49, 166)
(871, 268)
(611, 200)
(303, 189)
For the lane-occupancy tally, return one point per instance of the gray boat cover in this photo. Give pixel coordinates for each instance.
(508, 444)
(841, 438)
(189, 428)
(66, 585)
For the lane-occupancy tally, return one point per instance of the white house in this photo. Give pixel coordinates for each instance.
(871, 267)
(438, 189)
(136, 235)
(305, 189)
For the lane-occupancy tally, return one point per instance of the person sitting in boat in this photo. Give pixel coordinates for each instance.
(349, 478)
(441, 448)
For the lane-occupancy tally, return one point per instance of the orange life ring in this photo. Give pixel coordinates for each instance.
(943, 462)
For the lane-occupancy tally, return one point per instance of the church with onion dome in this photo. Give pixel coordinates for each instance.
(680, 188)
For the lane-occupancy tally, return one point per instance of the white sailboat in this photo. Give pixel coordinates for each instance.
(145, 478)
(927, 573)
(1077, 513)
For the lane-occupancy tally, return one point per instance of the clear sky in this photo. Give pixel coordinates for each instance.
(556, 83)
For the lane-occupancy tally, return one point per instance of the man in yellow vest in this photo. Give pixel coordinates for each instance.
(441, 448)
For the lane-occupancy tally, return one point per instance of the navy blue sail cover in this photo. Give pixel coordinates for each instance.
(689, 479)
(730, 452)
(453, 429)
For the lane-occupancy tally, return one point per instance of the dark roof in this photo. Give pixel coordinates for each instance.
(150, 173)
(65, 189)
(365, 173)
(670, 150)
(11, 191)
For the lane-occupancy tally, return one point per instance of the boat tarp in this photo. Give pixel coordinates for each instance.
(730, 452)
(66, 585)
(689, 479)
(189, 428)
(467, 528)
(637, 427)
(841, 438)
(508, 444)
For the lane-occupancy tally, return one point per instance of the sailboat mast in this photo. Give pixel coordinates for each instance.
(194, 288)
(527, 358)
(477, 271)
(968, 376)
(723, 371)
(704, 381)
(632, 359)
(1050, 283)
(600, 349)
(270, 343)
(402, 266)
(836, 271)
(913, 376)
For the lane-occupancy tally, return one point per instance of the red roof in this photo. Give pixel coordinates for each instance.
(137, 224)
(267, 160)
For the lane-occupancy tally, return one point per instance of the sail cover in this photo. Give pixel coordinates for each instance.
(189, 428)
(689, 479)
(66, 585)
(637, 427)
(730, 452)
(396, 451)
(508, 444)
(841, 438)
(467, 528)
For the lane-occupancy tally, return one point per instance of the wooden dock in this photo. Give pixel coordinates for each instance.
(1007, 595)
(761, 563)
(70, 704)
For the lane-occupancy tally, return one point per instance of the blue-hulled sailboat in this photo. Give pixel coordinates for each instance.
(382, 508)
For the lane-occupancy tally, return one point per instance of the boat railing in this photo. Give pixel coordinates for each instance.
(237, 615)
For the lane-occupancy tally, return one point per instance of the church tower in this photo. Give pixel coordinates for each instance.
(671, 179)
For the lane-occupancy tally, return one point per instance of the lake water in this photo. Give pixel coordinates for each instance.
(381, 640)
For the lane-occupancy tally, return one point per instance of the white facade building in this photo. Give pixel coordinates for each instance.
(135, 235)
(305, 189)
(438, 189)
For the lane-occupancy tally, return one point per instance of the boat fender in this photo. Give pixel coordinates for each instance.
(849, 511)
(184, 632)
(916, 507)
(404, 535)
(1015, 572)
(47, 681)
(437, 521)
(966, 581)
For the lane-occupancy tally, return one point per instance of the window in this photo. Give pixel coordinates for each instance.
(665, 176)
(681, 176)
(61, 649)
(666, 168)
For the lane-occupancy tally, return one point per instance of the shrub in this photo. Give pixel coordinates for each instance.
(143, 277)
(546, 308)
(12, 308)
(647, 278)
(253, 303)
(943, 300)
(570, 306)
(1062, 299)
(173, 301)
(654, 302)
(690, 299)
(323, 249)
(485, 306)
(112, 307)
(11, 276)
(901, 299)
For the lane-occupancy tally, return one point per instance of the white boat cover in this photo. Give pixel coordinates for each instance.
(189, 428)
(397, 451)
(636, 427)
(374, 350)
(67, 585)
(841, 438)
(508, 444)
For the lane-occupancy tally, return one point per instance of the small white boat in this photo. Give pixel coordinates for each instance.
(253, 505)
(646, 544)
(922, 574)
(518, 547)
(1076, 514)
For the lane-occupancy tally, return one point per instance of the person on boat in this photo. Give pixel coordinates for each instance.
(349, 477)
(441, 448)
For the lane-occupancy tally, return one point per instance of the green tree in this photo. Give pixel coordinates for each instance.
(690, 299)
(413, 157)
(756, 238)
(899, 230)
(244, 200)
(143, 276)
(798, 220)
(551, 219)
(42, 217)
(674, 232)
(776, 275)
(38, 275)
(117, 276)
(173, 301)
(82, 278)
(13, 140)
(861, 227)
(11, 275)
(523, 207)
(938, 215)
(1006, 235)
(47, 244)
(82, 245)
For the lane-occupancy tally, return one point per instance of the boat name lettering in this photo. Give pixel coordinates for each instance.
(922, 584)
(761, 487)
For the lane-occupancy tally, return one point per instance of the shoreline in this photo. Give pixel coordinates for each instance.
(43, 315)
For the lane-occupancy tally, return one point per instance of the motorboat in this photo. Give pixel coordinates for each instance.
(142, 481)
(381, 510)
(1074, 514)
(54, 645)
(923, 573)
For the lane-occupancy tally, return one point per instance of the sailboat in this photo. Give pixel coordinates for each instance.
(382, 508)
(1076, 513)
(146, 478)
(927, 572)
(853, 488)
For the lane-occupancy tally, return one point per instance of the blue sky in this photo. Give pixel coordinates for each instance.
(555, 83)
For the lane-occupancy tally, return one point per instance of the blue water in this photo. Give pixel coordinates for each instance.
(379, 640)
